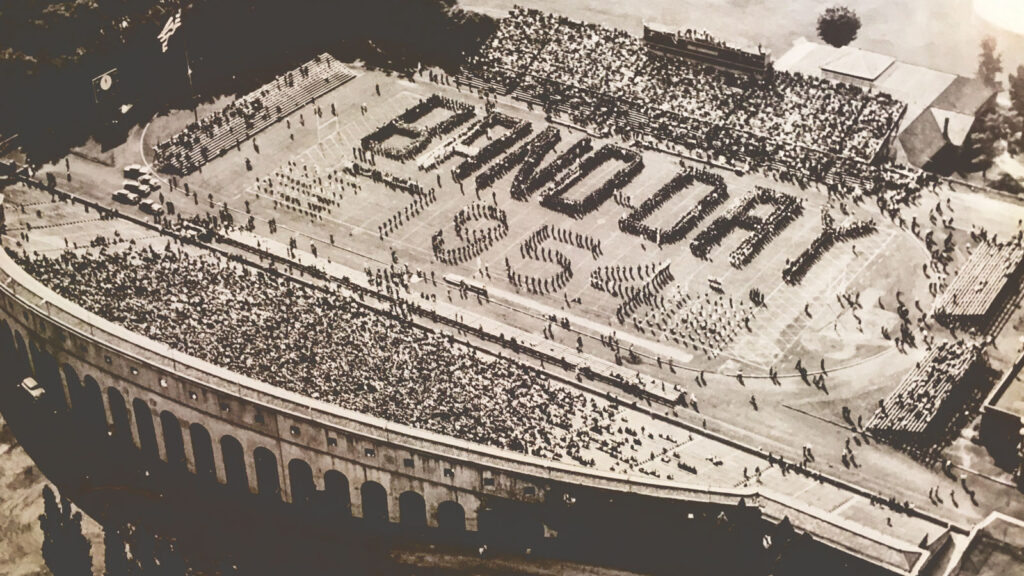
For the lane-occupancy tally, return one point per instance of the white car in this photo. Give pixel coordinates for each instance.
(125, 197)
(151, 207)
(33, 389)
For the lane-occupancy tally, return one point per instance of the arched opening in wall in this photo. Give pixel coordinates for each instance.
(94, 413)
(375, 503)
(144, 425)
(267, 481)
(75, 391)
(48, 375)
(174, 443)
(529, 531)
(510, 525)
(412, 510)
(488, 524)
(202, 450)
(336, 493)
(300, 475)
(7, 350)
(122, 427)
(451, 518)
(234, 464)
(22, 365)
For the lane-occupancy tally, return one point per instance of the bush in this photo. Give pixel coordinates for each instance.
(1009, 184)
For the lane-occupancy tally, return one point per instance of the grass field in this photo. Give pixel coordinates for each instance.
(779, 333)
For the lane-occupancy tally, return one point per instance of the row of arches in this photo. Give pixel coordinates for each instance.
(86, 401)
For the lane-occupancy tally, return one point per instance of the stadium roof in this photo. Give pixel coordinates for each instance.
(859, 64)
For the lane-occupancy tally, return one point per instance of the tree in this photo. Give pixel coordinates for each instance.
(989, 63)
(66, 550)
(1017, 91)
(981, 145)
(114, 553)
(838, 26)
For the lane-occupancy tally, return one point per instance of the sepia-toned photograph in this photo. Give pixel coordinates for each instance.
(511, 288)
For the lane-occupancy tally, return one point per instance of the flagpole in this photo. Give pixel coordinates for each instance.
(191, 90)
(188, 65)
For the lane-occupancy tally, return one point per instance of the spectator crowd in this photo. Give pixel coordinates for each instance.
(216, 133)
(607, 80)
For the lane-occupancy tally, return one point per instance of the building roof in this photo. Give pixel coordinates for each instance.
(959, 125)
(996, 548)
(916, 85)
(964, 95)
(1009, 396)
(922, 139)
(859, 64)
(931, 96)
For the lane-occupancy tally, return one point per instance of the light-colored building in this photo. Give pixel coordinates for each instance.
(941, 107)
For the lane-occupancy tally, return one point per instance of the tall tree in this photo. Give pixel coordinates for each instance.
(114, 553)
(1017, 91)
(66, 550)
(989, 62)
(838, 25)
(981, 146)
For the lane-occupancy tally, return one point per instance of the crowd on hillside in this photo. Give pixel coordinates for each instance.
(608, 80)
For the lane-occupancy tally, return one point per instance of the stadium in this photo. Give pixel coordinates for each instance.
(651, 306)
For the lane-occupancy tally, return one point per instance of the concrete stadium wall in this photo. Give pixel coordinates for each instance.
(272, 442)
(290, 435)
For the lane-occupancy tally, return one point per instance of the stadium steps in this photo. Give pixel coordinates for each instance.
(325, 74)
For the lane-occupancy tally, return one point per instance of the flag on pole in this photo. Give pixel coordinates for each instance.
(173, 23)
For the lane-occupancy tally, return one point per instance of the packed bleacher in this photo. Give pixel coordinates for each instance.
(607, 80)
(327, 346)
(215, 134)
(992, 269)
(917, 411)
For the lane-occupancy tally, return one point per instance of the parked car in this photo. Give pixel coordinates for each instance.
(136, 187)
(135, 171)
(149, 181)
(151, 207)
(125, 197)
(33, 389)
